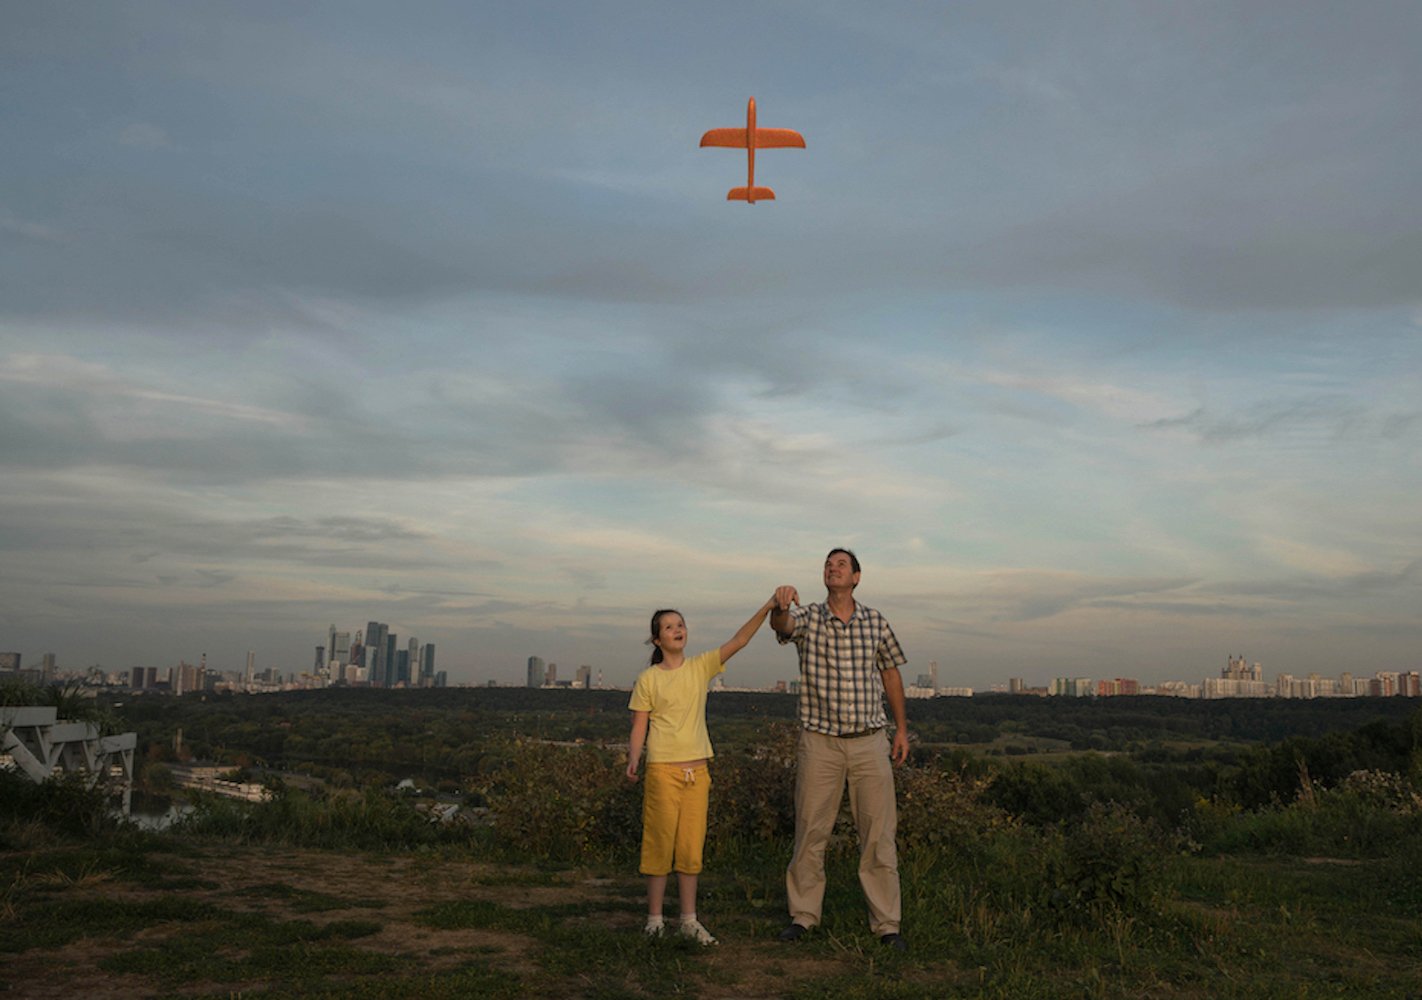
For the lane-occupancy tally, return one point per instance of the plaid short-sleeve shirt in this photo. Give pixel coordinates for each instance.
(841, 691)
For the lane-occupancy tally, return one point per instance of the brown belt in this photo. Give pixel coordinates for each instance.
(855, 736)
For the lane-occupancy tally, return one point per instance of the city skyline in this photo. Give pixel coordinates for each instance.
(1238, 678)
(1096, 332)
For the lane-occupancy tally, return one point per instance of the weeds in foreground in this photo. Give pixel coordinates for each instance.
(977, 927)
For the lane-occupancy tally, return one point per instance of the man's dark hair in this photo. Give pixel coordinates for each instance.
(853, 559)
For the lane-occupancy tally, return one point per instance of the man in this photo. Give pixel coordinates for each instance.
(849, 664)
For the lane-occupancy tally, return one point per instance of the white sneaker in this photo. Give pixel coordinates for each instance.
(654, 928)
(697, 933)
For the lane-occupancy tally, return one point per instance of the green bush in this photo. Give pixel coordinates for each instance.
(63, 805)
(1111, 862)
(371, 820)
(948, 812)
(753, 795)
(563, 802)
(1366, 815)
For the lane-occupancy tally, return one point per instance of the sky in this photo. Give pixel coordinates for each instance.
(1095, 329)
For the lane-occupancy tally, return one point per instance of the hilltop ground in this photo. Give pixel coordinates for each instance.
(262, 921)
(164, 917)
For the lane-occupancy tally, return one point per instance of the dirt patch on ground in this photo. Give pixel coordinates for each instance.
(319, 887)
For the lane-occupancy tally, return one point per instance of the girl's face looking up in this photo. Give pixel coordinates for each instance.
(671, 633)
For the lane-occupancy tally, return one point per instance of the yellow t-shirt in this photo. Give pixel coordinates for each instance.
(675, 703)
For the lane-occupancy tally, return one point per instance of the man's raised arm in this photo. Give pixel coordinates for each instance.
(780, 614)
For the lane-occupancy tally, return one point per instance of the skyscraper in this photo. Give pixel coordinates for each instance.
(377, 663)
(427, 667)
(535, 671)
(341, 651)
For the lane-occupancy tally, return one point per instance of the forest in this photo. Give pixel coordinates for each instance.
(1048, 758)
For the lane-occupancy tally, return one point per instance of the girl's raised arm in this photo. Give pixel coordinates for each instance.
(738, 641)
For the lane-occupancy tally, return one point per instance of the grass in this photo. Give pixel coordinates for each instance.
(304, 900)
(194, 917)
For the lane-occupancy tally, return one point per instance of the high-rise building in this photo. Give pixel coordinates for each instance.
(390, 674)
(251, 668)
(550, 677)
(377, 661)
(402, 667)
(584, 677)
(535, 672)
(427, 666)
(341, 651)
(9, 661)
(186, 678)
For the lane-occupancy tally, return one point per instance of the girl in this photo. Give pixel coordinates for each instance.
(669, 700)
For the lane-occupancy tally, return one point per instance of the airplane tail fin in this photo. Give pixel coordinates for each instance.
(750, 194)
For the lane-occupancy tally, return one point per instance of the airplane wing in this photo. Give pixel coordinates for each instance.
(727, 137)
(770, 138)
(765, 138)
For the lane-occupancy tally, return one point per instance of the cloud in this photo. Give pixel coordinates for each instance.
(1334, 417)
(306, 315)
(145, 135)
(11, 226)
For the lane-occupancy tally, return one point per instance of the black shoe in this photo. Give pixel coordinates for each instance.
(793, 933)
(894, 940)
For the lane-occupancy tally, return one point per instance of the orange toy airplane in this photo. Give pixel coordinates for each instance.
(749, 138)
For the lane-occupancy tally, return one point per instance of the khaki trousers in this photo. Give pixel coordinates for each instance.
(823, 765)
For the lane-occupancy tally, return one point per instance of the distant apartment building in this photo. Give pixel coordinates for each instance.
(1117, 686)
(1071, 687)
(1237, 679)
